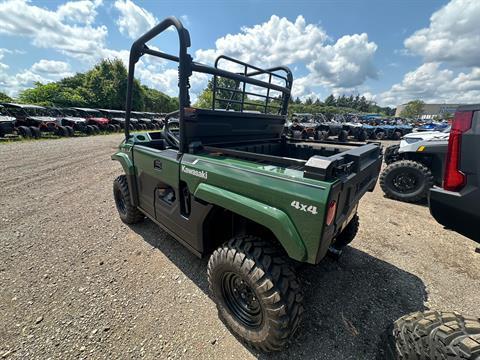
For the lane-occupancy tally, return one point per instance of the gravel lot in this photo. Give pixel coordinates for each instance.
(77, 283)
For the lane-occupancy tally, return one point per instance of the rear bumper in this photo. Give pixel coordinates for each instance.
(458, 211)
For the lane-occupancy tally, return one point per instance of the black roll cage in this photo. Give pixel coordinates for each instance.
(186, 66)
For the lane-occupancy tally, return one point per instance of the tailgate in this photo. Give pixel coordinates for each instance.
(354, 172)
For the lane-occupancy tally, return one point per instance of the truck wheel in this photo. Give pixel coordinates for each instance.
(343, 136)
(129, 214)
(433, 335)
(70, 130)
(348, 234)
(256, 292)
(35, 132)
(25, 132)
(96, 129)
(391, 154)
(89, 130)
(406, 180)
(111, 128)
(380, 135)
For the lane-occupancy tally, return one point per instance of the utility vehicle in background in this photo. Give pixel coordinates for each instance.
(229, 186)
(32, 120)
(116, 118)
(72, 121)
(414, 166)
(7, 122)
(95, 119)
(456, 205)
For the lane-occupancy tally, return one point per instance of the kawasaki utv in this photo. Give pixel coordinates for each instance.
(228, 185)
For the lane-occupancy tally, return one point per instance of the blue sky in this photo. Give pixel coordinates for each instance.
(390, 51)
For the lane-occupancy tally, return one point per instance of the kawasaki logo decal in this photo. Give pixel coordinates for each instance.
(198, 173)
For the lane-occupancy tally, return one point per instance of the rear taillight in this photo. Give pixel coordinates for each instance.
(454, 179)
(332, 209)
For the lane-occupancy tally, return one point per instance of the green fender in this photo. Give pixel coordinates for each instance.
(274, 219)
(125, 161)
(129, 169)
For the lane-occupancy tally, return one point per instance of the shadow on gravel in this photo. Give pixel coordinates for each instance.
(348, 303)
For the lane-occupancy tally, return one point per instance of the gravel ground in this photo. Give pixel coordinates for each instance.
(75, 282)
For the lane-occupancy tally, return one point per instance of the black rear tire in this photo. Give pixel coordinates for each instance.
(129, 214)
(36, 134)
(61, 131)
(380, 135)
(432, 335)
(70, 130)
(96, 129)
(89, 130)
(111, 128)
(406, 180)
(256, 292)
(25, 132)
(343, 136)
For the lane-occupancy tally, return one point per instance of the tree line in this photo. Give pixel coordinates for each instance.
(104, 86)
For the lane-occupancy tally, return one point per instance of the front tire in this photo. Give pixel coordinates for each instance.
(129, 214)
(406, 180)
(343, 136)
(256, 292)
(433, 335)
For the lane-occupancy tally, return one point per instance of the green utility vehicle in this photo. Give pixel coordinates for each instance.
(226, 184)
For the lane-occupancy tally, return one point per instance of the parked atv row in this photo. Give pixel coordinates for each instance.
(32, 121)
(304, 126)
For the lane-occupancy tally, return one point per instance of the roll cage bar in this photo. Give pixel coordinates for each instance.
(186, 66)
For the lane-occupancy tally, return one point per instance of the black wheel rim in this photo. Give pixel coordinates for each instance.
(241, 300)
(405, 182)
(120, 202)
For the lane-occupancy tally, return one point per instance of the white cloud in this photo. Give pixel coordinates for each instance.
(344, 64)
(50, 29)
(133, 20)
(431, 83)
(50, 67)
(452, 36)
(81, 12)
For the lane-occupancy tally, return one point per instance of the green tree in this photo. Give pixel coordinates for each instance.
(413, 109)
(156, 101)
(5, 98)
(330, 100)
(106, 86)
(52, 94)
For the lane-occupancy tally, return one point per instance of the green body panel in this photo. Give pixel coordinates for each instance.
(275, 220)
(274, 196)
(273, 186)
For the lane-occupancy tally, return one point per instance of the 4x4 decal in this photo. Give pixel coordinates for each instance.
(304, 207)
